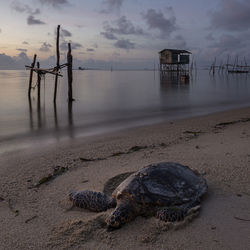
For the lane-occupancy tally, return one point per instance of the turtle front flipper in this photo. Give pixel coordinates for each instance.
(178, 213)
(125, 211)
(93, 201)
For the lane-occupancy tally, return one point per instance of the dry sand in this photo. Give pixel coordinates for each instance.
(41, 218)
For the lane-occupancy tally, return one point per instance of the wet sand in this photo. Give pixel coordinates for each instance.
(35, 212)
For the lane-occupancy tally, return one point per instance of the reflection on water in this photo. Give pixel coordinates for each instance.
(175, 79)
(175, 92)
(106, 101)
(40, 112)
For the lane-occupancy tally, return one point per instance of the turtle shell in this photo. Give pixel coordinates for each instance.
(162, 184)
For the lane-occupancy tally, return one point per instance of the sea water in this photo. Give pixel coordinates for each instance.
(107, 101)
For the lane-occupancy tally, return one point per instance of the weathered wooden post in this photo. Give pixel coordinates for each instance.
(31, 114)
(70, 75)
(38, 80)
(55, 116)
(70, 115)
(227, 62)
(31, 74)
(214, 65)
(57, 60)
(39, 117)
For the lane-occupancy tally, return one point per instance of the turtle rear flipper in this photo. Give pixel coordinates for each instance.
(178, 213)
(171, 214)
(93, 201)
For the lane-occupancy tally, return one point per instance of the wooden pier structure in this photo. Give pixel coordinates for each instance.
(230, 68)
(53, 71)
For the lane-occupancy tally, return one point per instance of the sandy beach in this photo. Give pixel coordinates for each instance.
(35, 212)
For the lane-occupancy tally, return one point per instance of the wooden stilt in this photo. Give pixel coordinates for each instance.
(70, 115)
(31, 114)
(70, 75)
(39, 117)
(57, 60)
(38, 81)
(55, 116)
(31, 74)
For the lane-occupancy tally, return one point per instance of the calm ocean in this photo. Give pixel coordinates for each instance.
(107, 101)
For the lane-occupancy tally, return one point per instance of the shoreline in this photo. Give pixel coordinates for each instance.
(63, 139)
(38, 217)
(31, 139)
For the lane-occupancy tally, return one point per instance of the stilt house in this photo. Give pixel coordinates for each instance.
(174, 60)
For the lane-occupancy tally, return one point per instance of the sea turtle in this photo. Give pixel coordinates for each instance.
(167, 190)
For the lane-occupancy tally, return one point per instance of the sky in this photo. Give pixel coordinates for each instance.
(124, 34)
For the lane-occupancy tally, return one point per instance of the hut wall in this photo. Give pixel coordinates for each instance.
(166, 57)
(184, 59)
(175, 58)
(170, 57)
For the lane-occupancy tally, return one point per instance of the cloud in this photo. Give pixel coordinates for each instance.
(76, 45)
(54, 3)
(22, 50)
(222, 46)
(116, 54)
(116, 64)
(23, 57)
(80, 26)
(65, 33)
(0, 30)
(126, 27)
(32, 21)
(64, 45)
(24, 42)
(227, 43)
(232, 15)
(18, 62)
(111, 6)
(124, 44)
(178, 42)
(6, 62)
(45, 47)
(123, 26)
(109, 35)
(157, 20)
(19, 7)
(15, 62)
(210, 37)
(90, 50)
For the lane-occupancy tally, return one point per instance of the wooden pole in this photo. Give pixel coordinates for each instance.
(38, 81)
(57, 60)
(214, 65)
(70, 75)
(227, 62)
(31, 114)
(70, 115)
(55, 116)
(31, 74)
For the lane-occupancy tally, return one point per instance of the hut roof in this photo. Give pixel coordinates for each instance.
(176, 51)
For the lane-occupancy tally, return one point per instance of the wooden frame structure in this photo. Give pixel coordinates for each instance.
(54, 71)
(235, 68)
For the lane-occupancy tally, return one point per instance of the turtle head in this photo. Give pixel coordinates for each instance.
(124, 212)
